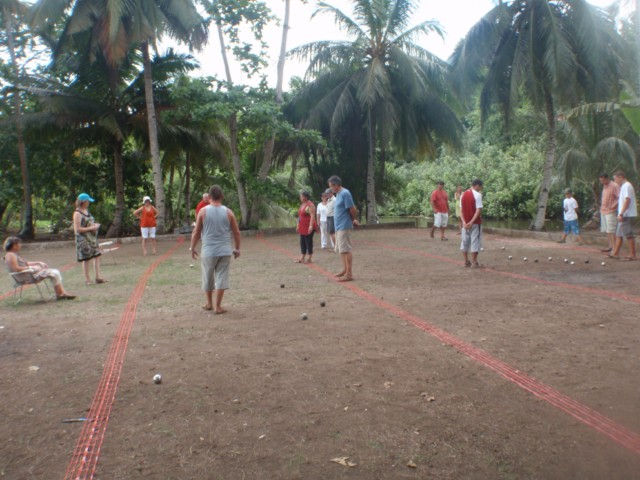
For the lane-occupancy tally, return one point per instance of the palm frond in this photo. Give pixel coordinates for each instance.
(343, 21)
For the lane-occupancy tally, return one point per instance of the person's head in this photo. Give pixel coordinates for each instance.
(328, 193)
(440, 185)
(619, 177)
(459, 189)
(477, 185)
(205, 197)
(604, 179)
(12, 244)
(323, 197)
(335, 183)
(83, 200)
(568, 193)
(146, 200)
(304, 196)
(215, 194)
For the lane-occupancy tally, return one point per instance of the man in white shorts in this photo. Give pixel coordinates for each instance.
(471, 216)
(609, 210)
(440, 205)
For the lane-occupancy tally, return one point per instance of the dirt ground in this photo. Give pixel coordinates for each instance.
(259, 393)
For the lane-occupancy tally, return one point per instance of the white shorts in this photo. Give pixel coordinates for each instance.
(440, 220)
(148, 232)
(608, 222)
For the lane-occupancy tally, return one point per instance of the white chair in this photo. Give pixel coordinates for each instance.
(25, 278)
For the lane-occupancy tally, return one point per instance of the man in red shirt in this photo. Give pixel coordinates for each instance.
(440, 205)
(203, 203)
(471, 216)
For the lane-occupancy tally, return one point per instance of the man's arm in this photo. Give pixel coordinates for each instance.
(235, 230)
(354, 215)
(625, 206)
(475, 216)
(197, 234)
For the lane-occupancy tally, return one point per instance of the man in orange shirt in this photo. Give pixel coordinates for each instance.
(609, 210)
(203, 203)
(440, 205)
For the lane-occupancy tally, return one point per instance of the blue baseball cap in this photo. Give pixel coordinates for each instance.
(85, 197)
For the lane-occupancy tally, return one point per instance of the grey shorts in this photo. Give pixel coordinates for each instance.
(624, 228)
(331, 225)
(471, 239)
(215, 273)
(343, 241)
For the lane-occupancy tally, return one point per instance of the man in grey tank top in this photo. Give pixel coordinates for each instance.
(215, 225)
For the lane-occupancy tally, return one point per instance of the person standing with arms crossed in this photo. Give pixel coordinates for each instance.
(215, 225)
(331, 226)
(440, 205)
(627, 211)
(321, 212)
(345, 214)
(609, 210)
(471, 216)
(147, 214)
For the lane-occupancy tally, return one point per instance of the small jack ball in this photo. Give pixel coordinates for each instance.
(322, 304)
(282, 285)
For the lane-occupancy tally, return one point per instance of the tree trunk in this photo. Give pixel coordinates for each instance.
(594, 222)
(372, 214)
(27, 230)
(152, 122)
(292, 178)
(637, 12)
(170, 211)
(547, 169)
(187, 190)
(233, 140)
(267, 158)
(115, 229)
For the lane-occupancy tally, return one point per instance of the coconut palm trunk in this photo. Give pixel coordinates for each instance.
(233, 140)
(637, 12)
(187, 189)
(27, 207)
(372, 214)
(115, 229)
(549, 162)
(154, 148)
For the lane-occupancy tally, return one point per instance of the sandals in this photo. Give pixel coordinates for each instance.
(101, 280)
(66, 296)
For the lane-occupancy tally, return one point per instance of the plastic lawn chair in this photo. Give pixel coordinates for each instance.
(25, 278)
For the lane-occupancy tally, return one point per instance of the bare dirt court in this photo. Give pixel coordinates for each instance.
(259, 393)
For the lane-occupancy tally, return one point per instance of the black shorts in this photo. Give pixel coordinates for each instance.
(331, 227)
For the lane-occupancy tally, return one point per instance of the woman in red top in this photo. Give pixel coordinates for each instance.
(147, 214)
(307, 225)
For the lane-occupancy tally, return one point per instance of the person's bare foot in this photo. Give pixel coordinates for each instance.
(65, 296)
(101, 280)
(431, 234)
(299, 260)
(347, 278)
(309, 260)
(207, 307)
(220, 311)
(341, 274)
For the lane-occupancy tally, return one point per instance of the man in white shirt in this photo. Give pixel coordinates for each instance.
(331, 227)
(627, 211)
(570, 209)
(322, 212)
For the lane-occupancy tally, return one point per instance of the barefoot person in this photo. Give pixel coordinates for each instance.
(609, 210)
(16, 263)
(306, 227)
(440, 205)
(471, 216)
(147, 214)
(345, 219)
(214, 226)
(86, 230)
(570, 209)
(627, 211)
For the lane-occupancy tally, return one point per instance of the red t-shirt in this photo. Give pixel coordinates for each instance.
(470, 202)
(440, 199)
(305, 219)
(201, 205)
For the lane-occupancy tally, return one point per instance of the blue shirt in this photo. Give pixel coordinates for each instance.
(341, 216)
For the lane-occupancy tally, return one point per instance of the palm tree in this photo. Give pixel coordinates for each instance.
(115, 27)
(10, 9)
(383, 77)
(556, 53)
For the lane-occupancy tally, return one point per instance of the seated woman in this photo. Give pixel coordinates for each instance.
(16, 263)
